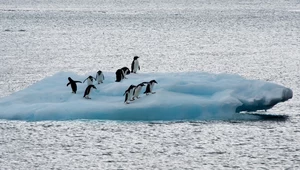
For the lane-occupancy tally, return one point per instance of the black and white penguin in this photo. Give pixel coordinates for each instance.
(88, 91)
(149, 87)
(129, 94)
(123, 74)
(90, 80)
(99, 77)
(126, 70)
(73, 84)
(137, 90)
(135, 64)
(119, 75)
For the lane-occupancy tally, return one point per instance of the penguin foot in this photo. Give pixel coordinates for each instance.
(153, 92)
(126, 102)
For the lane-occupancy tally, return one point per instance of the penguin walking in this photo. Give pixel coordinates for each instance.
(126, 70)
(88, 90)
(73, 84)
(137, 90)
(99, 77)
(129, 94)
(149, 87)
(135, 64)
(89, 80)
(119, 75)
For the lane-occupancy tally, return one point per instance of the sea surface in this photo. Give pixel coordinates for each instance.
(255, 39)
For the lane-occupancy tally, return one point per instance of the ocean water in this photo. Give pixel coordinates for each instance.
(255, 39)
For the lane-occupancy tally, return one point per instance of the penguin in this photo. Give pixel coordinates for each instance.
(149, 87)
(90, 80)
(88, 91)
(123, 74)
(119, 75)
(99, 77)
(137, 90)
(73, 84)
(135, 65)
(126, 70)
(129, 94)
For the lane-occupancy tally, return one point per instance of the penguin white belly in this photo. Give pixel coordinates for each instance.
(135, 66)
(89, 82)
(125, 72)
(130, 94)
(123, 75)
(137, 92)
(100, 78)
(151, 87)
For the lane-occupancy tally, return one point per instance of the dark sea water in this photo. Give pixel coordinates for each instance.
(255, 39)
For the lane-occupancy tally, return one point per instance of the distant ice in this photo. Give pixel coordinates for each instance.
(179, 96)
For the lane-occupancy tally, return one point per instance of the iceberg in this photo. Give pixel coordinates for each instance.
(179, 96)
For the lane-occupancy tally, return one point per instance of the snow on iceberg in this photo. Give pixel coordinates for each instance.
(179, 96)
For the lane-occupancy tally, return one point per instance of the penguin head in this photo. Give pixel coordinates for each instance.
(99, 72)
(135, 57)
(69, 78)
(153, 81)
(90, 77)
(142, 84)
(131, 86)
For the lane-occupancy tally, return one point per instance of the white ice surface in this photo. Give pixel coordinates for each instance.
(189, 95)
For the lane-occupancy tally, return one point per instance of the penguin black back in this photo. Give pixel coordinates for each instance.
(73, 84)
(88, 90)
(119, 75)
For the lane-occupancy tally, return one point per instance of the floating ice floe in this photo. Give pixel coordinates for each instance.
(179, 96)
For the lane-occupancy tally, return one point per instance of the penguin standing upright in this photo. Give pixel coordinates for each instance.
(88, 90)
(73, 84)
(149, 87)
(137, 90)
(99, 77)
(135, 64)
(129, 94)
(90, 80)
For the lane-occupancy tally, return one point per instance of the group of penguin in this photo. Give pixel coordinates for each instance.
(130, 94)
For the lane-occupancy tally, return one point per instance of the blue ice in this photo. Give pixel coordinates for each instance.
(179, 96)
